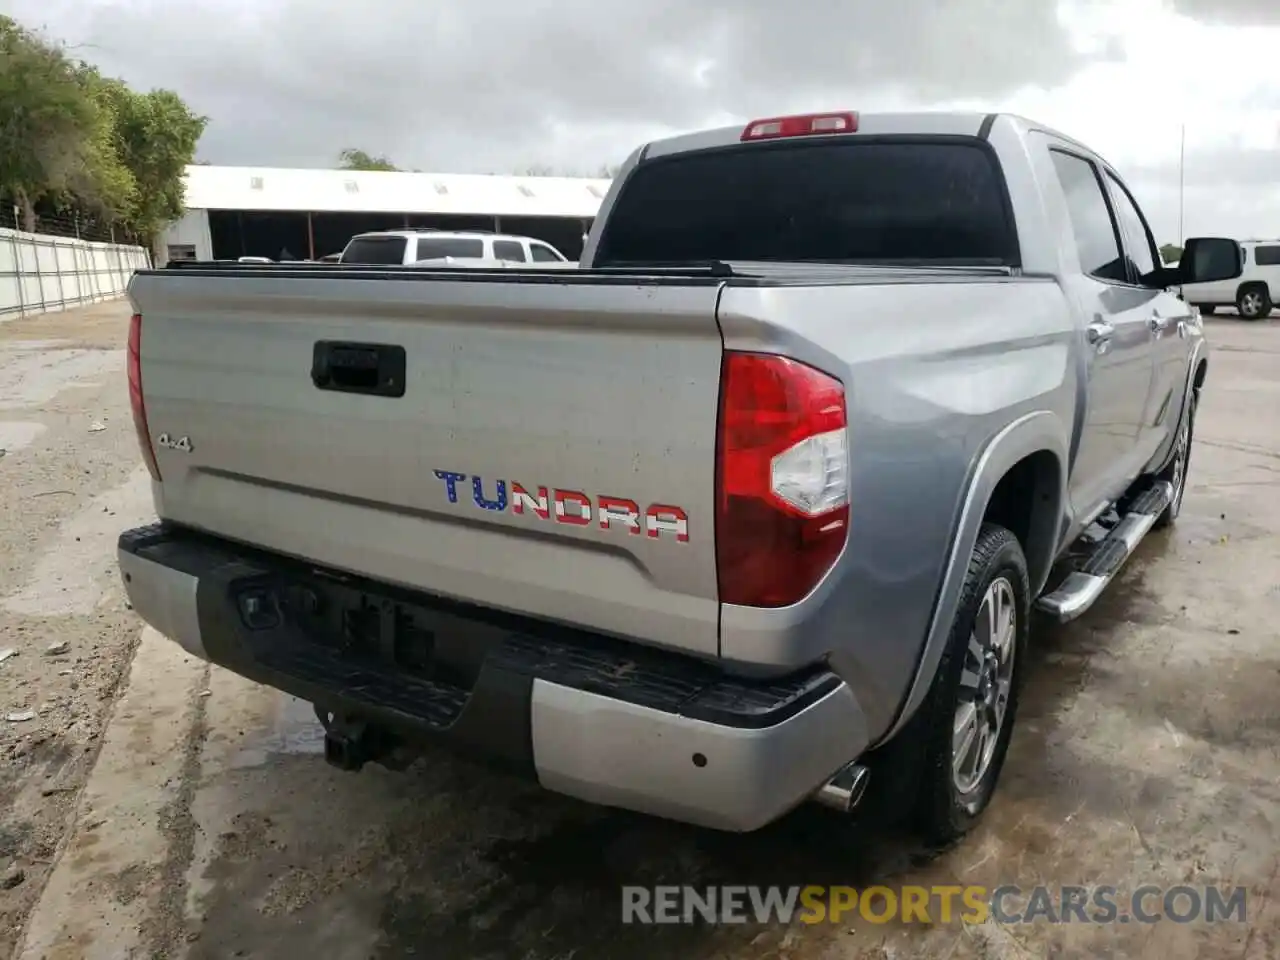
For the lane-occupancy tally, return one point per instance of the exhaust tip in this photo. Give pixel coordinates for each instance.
(845, 790)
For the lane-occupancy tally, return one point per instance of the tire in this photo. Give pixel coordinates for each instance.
(942, 805)
(1253, 301)
(1175, 472)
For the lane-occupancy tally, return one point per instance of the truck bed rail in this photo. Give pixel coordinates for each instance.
(657, 274)
(709, 273)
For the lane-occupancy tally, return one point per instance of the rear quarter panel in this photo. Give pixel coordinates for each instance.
(933, 371)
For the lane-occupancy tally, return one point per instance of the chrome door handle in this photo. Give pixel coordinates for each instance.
(1100, 331)
(1158, 323)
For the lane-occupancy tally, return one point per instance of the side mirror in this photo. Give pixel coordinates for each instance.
(1203, 260)
(1207, 259)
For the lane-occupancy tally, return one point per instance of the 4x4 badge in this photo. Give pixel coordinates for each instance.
(181, 444)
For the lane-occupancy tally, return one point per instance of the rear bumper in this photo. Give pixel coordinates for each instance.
(587, 716)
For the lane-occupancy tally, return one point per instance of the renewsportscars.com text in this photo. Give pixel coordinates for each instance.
(1099, 904)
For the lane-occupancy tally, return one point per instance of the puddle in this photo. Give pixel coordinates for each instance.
(295, 732)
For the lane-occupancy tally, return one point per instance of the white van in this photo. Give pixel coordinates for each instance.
(1253, 293)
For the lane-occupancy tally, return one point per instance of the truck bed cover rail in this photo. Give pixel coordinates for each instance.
(683, 273)
(694, 274)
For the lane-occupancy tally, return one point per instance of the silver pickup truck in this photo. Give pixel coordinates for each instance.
(752, 508)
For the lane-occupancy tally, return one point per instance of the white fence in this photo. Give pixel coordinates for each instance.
(40, 273)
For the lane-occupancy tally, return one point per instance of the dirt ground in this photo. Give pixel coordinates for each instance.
(66, 463)
(1146, 751)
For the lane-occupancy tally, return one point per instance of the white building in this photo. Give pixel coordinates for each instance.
(305, 214)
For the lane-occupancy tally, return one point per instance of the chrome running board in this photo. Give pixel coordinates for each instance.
(1083, 586)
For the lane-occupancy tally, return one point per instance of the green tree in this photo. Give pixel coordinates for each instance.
(353, 159)
(79, 140)
(49, 126)
(155, 137)
(103, 184)
(1170, 252)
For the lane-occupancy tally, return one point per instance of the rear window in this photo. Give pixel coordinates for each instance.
(375, 250)
(429, 248)
(1267, 256)
(857, 201)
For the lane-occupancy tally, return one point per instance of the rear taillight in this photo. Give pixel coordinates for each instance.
(782, 479)
(136, 403)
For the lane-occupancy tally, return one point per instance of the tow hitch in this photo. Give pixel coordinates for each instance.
(350, 743)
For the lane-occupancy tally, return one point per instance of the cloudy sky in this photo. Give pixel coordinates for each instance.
(502, 85)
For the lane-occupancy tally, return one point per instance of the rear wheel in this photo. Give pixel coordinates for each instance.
(1254, 301)
(951, 752)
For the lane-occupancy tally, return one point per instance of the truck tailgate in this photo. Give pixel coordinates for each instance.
(552, 452)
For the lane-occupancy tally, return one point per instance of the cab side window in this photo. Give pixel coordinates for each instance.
(1097, 240)
(1138, 245)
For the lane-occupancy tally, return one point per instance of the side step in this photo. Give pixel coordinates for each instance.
(1081, 589)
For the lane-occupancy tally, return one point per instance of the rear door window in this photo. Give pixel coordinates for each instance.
(543, 254)
(509, 250)
(381, 251)
(432, 248)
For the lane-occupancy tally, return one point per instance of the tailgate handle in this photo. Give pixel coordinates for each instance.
(376, 369)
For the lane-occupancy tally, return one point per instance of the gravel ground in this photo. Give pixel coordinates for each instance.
(68, 462)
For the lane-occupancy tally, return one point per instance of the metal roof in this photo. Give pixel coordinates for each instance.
(359, 191)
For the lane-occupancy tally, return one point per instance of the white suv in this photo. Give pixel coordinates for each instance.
(403, 247)
(1253, 293)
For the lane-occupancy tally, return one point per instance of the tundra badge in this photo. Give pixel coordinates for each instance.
(571, 507)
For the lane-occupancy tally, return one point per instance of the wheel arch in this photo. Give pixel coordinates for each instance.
(1201, 371)
(1027, 501)
(1021, 476)
(1246, 285)
(1197, 372)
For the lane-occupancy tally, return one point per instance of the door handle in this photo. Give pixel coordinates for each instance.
(1158, 323)
(376, 369)
(1100, 331)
